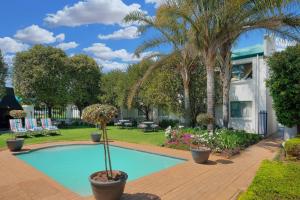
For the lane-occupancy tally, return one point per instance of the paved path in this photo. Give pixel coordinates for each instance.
(219, 179)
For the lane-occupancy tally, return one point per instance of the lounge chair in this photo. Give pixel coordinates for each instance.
(47, 125)
(16, 127)
(31, 126)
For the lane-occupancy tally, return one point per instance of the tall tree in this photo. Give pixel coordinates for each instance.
(42, 76)
(284, 85)
(215, 23)
(3, 70)
(183, 55)
(85, 79)
(113, 87)
(143, 102)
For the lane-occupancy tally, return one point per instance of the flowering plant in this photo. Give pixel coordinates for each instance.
(17, 114)
(177, 139)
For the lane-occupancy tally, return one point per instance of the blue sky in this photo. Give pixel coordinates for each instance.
(93, 27)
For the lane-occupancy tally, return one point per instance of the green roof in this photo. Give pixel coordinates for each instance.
(248, 52)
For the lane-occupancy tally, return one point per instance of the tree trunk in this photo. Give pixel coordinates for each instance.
(225, 69)
(210, 94)
(49, 108)
(187, 104)
(298, 129)
(147, 111)
(226, 80)
(80, 112)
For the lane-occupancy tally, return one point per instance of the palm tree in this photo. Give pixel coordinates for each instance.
(218, 23)
(183, 55)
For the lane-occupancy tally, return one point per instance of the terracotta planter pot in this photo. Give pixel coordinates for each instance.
(15, 144)
(96, 137)
(200, 155)
(112, 190)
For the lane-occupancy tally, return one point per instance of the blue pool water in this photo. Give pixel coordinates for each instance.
(71, 165)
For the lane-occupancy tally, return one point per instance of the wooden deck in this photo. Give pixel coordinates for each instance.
(219, 179)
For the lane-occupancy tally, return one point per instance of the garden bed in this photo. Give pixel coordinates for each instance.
(224, 142)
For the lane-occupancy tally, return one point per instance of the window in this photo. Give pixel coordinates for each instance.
(240, 109)
(242, 72)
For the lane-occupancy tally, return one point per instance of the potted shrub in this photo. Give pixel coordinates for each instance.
(204, 119)
(107, 184)
(16, 144)
(200, 144)
(200, 148)
(96, 137)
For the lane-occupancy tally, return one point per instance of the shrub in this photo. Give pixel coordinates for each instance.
(292, 147)
(232, 139)
(17, 113)
(168, 122)
(284, 85)
(204, 119)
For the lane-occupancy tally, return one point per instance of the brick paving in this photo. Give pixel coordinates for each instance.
(220, 178)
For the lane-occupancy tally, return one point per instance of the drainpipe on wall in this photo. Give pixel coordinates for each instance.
(257, 94)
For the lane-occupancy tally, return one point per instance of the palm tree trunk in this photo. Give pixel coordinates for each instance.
(210, 94)
(226, 79)
(226, 69)
(187, 104)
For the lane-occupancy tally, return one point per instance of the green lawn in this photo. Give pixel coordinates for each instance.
(275, 180)
(127, 135)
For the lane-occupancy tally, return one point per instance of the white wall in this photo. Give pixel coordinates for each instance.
(29, 109)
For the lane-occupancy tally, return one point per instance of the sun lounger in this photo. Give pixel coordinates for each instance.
(31, 126)
(16, 127)
(47, 125)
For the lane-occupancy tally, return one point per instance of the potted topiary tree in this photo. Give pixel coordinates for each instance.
(16, 144)
(200, 144)
(107, 184)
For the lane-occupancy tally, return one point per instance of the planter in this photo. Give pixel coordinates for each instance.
(96, 137)
(15, 144)
(201, 154)
(111, 190)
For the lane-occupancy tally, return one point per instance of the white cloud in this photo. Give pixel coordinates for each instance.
(91, 12)
(36, 35)
(111, 65)
(130, 32)
(100, 50)
(8, 59)
(67, 45)
(156, 2)
(60, 37)
(9, 45)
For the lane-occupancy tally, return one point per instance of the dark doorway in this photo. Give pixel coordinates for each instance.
(8, 103)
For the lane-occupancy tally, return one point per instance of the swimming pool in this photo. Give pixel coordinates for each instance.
(71, 165)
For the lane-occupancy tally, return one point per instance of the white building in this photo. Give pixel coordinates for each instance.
(248, 92)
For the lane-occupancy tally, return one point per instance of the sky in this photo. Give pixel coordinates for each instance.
(93, 27)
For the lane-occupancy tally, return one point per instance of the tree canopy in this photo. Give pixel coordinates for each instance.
(85, 81)
(284, 85)
(3, 70)
(42, 76)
